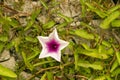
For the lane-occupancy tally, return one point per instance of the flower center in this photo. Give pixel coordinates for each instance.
(52, 46)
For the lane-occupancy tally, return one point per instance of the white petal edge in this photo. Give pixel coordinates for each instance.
(43, 53)
(63, 44)
(42, 40)
(56, 56)
(54, 35)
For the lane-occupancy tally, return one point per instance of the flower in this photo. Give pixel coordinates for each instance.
(52, 46)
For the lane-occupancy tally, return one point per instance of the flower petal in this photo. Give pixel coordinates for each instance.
(63, 44)
(54, 35)
(56, 56)
(52, 46)
(43, 54)
(42, 40)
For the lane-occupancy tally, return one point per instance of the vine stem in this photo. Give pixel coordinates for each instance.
(54, 67)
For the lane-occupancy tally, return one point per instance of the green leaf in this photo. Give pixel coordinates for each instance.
(14, 23)
(94, 53)
(31, 39)
(86, 25)
(27, 63)
(105, 24)
(32, 20)
(118, 56)
(49, 25)
(106, 43)
(115, 23)
(1, 46)
(44, 4)
(111, 10)
(97, 11)
(86, 64)
(7, 72)
(83, 7)
(50, 76)
(100, 78)
(115, 72)
(35, 53)
(3, 38)
(76, 59)
(67, 19)
(43, 77)
(16, 43)
(62, 25)
(114, 66)
(84, 34)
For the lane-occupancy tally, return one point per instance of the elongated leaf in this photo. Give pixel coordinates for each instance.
(100, 78)
(3, 38)
(27, 63)
(44, 4)
(43, 77)
(83, 7)
(114, 66)
(49, 25)
(94, 53)
(115, 72)
(97, 11)
(67, 19)
(106, 22)
(16, 43)
(1, 46)
(86, 64)
(33, 17)
(50, 75)
(115, 23)
(34, 54)
(118, 56)
(76, 59)
(31, 39)
(111, 10)
(84, 34)
(14, 23)
(62, 25)
(106, 43)
(7, 72)
(86, 25)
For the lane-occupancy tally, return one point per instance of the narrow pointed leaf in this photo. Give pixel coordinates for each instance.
(94, 53)
(86, 64)
(84, 34)
(115, 72)
(3, 38)
(49, 25)
(7, 72)
(115, 23)
(50, 75)
(114, 66)
(68, 19)
(33, 17)
(43, 77)
(1, 46)
(100, 78)
(97, 11)
(105, 24)
(44, 4)
(118, 56)
(31, 39)
(113, 9)
(27, 63)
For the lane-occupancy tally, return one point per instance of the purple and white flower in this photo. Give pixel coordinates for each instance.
(52, 46)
